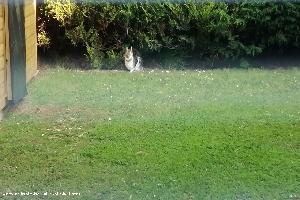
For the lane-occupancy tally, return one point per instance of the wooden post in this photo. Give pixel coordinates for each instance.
(7, 54)
(17, 49)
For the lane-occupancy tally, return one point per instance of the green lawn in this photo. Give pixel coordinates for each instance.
(219, 134)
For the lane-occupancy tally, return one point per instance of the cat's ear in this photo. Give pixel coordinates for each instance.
(126, 48)
(131, 48)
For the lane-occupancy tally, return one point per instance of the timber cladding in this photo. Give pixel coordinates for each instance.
(30, 38)
(29, 10)
(3, 67)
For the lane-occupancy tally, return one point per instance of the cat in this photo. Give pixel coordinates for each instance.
(133, 61)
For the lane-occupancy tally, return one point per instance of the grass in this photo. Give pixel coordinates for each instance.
(219, 134)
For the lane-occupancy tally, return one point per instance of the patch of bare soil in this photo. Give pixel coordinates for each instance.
(56, 112)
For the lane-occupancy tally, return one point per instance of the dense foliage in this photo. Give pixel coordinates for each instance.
(174, 30)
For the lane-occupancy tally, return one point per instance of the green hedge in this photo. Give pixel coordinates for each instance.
(177, 30)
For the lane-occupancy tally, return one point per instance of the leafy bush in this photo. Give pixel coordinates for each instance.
(202, 30)
(42, 39)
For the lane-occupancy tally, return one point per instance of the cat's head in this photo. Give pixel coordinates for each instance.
(128, 53)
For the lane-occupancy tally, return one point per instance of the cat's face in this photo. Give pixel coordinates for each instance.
(128, 53)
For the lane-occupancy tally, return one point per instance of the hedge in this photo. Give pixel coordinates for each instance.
(178, 30)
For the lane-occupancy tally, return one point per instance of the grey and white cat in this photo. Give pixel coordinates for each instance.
(133, 61)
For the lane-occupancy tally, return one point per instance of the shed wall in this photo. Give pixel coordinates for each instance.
(31, 47)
